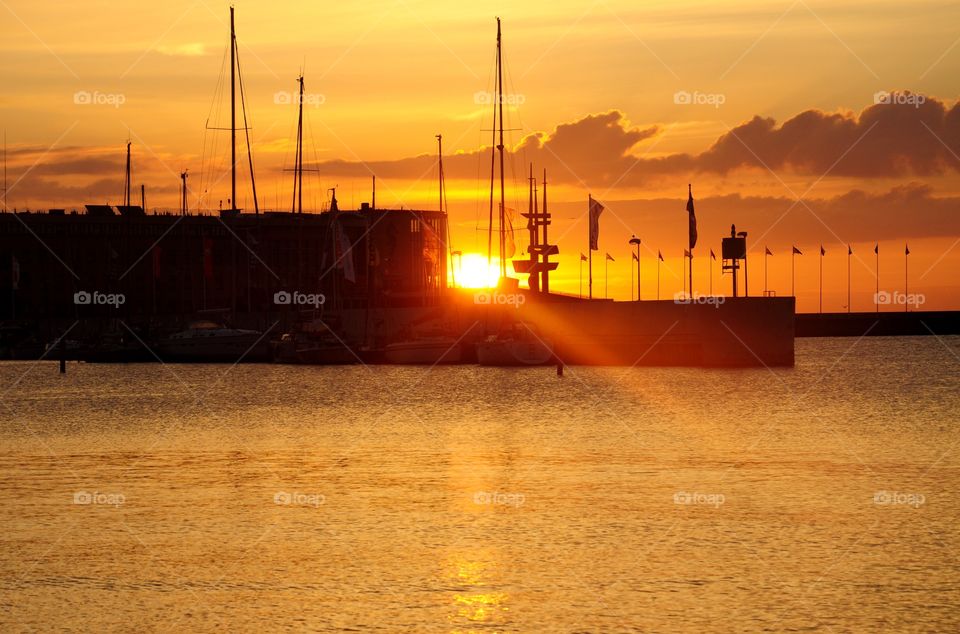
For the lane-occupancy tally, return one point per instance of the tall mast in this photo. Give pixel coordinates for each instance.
(499, 96)
(493, 160)
(298, 160)
(233, 114)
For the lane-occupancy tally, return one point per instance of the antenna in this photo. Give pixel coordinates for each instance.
(126, 183)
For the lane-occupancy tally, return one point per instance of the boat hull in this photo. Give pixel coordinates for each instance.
(414, 353)
(246, 347)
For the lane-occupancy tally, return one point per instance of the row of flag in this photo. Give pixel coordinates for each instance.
(796, 251)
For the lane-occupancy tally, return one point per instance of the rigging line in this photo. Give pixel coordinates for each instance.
(246, 129)
(480, 153)
(216, 107)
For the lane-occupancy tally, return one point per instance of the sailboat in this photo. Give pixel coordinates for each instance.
(515, 344)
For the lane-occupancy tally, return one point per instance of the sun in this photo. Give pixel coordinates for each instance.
(472, 270)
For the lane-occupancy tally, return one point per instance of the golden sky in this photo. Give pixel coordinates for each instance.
(783, 135)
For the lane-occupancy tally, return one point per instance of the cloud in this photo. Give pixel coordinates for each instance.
(886, 140)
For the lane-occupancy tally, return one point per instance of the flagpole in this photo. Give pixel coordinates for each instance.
(631, 283)
(849, 253)
(766, 254)
(658, 275)
(711, 276)
(793, 273)
(589, 249)
(821, 279)
(691, 271)
(876, 270)
(906, 279)
(581, 278)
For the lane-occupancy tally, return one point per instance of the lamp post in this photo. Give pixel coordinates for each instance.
(636, 242)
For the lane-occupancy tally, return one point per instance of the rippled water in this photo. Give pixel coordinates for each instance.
(169, 498)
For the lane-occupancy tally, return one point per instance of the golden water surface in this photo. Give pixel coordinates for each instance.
(464, 499)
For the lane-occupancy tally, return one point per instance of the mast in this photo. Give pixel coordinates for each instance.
(440, 163)
(126, 184)
(297, 205)
(233, 114)
(499, 97)
(493, 159)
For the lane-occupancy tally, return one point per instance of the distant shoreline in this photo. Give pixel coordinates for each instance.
(876, 324)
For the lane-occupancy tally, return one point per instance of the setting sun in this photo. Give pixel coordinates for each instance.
(473, 270)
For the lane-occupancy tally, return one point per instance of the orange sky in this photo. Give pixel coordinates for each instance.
(784, 136)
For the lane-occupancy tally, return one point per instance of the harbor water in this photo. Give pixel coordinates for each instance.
(822, 497)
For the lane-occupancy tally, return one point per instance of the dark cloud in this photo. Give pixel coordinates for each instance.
(885, 140)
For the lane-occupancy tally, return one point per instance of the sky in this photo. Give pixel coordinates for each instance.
(779, 114)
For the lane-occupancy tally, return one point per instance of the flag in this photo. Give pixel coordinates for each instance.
(686, 254)
(14, 273)
(634, 256)
(876, 248)
(693, 218)
(610, 258)
(595, 210)
(797, 251)
(822, 252)
(713, 256)
(767, 251)
(156, 262)
(583, 258)
(906, 250)
(208, 258)
(511, 244)
(849, 250)
(659, 255)
(345, 255)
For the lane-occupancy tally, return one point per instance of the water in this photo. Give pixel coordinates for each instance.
(467, 499)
